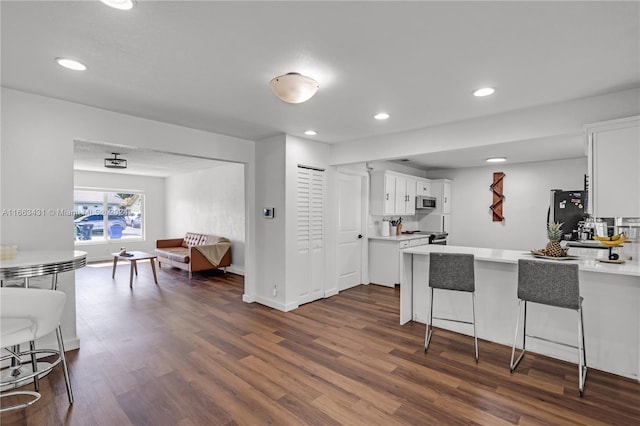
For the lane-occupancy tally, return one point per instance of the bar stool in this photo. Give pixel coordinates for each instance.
(26, 315)
(452, 271)
(552, 284)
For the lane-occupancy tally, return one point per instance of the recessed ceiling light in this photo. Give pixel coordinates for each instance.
(119, 4)
(71, 64)
(310, 133)
(485, 91)
(381, 116)
(496, 159)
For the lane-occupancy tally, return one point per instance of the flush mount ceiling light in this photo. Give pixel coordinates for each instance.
(71, 64)
(115, 162)
(485, 91)
(310, 133)
(119, 4)
(496, 159)
(294, 88)
(381, 116)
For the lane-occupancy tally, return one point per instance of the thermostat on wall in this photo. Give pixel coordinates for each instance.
(267, 212)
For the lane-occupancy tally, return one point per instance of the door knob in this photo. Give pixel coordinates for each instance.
(359, 236)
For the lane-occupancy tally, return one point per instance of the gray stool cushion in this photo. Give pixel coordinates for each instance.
(452, 271)
(549, 283)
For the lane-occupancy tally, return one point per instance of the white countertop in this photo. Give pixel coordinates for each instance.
(586, 262)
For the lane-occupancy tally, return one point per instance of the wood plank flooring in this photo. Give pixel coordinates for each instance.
(192, 353)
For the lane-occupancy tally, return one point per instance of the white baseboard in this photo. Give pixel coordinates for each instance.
(332, 292)
(276, 305)
(236, 269)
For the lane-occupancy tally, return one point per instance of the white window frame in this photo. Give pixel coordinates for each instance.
(105, 208)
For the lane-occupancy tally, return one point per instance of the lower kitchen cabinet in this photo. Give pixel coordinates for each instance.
(384, 259)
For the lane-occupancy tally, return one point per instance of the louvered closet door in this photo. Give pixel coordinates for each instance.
(309, 271)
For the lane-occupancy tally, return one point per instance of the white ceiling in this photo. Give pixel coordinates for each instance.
(207, 64)
(89, 156)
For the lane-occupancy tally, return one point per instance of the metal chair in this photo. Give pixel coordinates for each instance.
(552, 284)
(26, 315)
(452, 271)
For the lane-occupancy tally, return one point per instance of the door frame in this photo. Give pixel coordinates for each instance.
(364, 223)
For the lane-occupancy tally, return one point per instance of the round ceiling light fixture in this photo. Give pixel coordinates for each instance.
(119, 4)
(496, 159)
(310, 132)
(381, 116)
(294, 88)
(71, 64)
(485, 91)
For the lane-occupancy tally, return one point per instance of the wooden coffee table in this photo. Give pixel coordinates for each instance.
(133, 257)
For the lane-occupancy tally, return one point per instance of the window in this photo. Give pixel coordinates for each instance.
(119, 213)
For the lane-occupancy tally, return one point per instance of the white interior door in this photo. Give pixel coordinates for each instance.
(349, 252)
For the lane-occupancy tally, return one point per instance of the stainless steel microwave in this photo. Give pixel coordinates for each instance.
(425, 203)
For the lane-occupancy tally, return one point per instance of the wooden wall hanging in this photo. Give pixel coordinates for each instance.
(498, 197)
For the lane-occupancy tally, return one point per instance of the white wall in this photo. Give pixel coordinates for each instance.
(154, 216)
(276, 247)
(36, 169)
(270, 233)
(526, 190)
(210, 202)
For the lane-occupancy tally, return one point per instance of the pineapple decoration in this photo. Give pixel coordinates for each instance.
(554, 249)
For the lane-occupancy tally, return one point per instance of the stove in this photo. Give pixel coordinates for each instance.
(435, 237)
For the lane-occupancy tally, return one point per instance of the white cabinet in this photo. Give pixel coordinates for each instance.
(441, 189)
(418, 242)
(613, 149)
(384, 259)
(389, 194)
(405, 199)
(423, 187)
(392, 194)
(401, 195)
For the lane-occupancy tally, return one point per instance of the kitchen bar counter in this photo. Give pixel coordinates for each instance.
(611, 305)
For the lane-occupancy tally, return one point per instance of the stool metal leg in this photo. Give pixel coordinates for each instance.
(427, 337)
(64, 364)
(513, 365)
(34, 365)
(429, 329)
(475, 336)
(582, 356)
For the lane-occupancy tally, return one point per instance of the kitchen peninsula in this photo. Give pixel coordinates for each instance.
(611, 305)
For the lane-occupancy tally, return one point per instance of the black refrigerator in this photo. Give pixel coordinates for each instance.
(568, 208)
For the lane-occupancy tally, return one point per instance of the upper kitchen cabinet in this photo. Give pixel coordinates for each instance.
(392, 194)
(613, 150)
(441, 190)
(423, 187)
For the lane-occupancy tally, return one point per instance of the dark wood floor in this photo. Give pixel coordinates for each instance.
(192, 353)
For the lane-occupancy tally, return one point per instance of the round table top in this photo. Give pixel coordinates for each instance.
(33, 263)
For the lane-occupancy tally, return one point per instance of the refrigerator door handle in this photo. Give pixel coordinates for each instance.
(548, 215)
